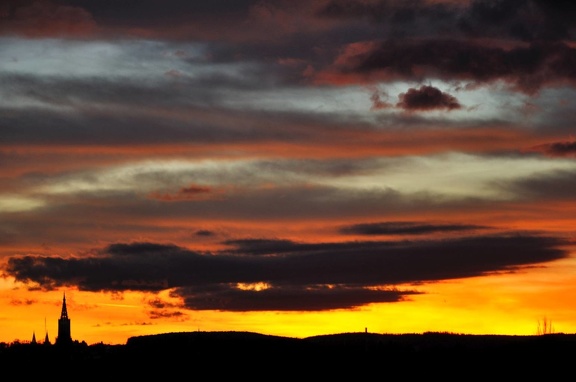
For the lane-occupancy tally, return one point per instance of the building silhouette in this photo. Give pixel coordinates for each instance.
(64, 333)
(46, 339)
(64, 336)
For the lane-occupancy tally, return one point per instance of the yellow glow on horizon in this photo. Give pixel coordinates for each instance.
(505, 304)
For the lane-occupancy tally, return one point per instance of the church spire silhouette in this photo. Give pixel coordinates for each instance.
(64, 313)
(46, 339)
(64, 336)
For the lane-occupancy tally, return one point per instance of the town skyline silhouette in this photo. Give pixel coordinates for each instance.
(354, 348)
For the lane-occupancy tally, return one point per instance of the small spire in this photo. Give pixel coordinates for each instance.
(46, 339)
(64, 310)
(33, 337)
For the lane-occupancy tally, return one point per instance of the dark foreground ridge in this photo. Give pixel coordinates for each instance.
(247, 352)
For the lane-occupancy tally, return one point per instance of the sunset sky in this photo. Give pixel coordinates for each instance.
(287, 167)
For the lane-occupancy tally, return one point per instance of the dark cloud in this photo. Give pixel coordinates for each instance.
(524, 43)
(263, 246)
(286, 275)
(146, 13)
(23, 302)
(74, 18)
(560, 12)
(186, 193)
(159, 314)
(162, 309)
(157, 303)
(527, 20)
(406, 228)
(560, 149)
(552, 185)
(38, 19)
(204, 233)
(427, 98)
(400, 12)
(526, 68)
(309, 298)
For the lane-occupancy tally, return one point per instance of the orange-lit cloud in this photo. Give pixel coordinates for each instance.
(285, 167)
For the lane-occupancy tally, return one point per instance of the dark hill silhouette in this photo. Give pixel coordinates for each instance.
(337, 355)
(206, 345)
(362, 352)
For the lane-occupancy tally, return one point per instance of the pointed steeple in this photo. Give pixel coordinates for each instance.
(64, 313)
(34, 337)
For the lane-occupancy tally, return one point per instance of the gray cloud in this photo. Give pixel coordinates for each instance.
(554, 185)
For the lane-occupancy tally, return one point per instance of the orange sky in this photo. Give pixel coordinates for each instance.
(287, 168)
(515, 304)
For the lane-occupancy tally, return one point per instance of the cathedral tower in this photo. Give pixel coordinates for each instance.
(64, 336)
